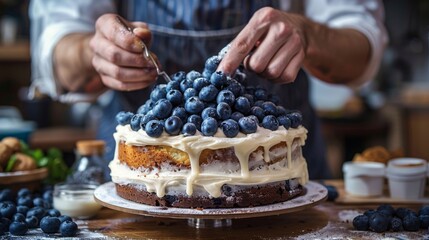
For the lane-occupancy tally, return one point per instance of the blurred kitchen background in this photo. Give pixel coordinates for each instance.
(392, 111)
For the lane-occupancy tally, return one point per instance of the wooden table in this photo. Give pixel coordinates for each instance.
(326, 221)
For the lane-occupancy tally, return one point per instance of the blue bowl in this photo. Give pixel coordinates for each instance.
(19, 129)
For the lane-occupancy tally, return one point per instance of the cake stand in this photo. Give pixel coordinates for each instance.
(313, 194)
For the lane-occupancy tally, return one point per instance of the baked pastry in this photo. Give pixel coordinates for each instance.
(207, 141)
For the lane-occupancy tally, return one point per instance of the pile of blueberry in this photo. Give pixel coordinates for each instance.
(25, 211)
(207, 101)
(386, 218)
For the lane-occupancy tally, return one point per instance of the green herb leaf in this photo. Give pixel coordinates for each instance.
(10, 163)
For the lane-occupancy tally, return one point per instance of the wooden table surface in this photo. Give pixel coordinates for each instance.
(327, 220)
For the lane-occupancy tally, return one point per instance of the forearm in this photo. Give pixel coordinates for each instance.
(72, 62)
(335, 55)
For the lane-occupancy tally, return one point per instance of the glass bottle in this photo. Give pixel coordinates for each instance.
(89, 166)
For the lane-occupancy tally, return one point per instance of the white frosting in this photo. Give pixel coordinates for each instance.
(212, 178)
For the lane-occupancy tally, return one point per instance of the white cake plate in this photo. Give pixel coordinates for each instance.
(314, 193)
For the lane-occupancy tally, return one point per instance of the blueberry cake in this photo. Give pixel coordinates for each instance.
(206, 140)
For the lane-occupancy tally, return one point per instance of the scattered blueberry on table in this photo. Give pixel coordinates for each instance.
(27, 210)
(386, 218)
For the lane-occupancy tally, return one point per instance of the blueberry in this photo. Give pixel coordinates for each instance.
(190, 92)
(236, 116)
(254, 119)
(54, 213)
(258, 112)
(379, 222)
(209, 112)
(424, 221)
(269, 108)
(18, 217)
(179, 76)
(281, 110)
(239, 76)
(32, 222)
(274, 98)
(199, 83)
(22, 209)
(212, 63)
(7, 210)
(170, 199)
(225, 96)
(185, 84)
(136, 121)
(208, 93)
(173, 125)
(50, 224)
(123, 118)
(68, 229)
(209, 127)
(18, 228)
(284, 121)
(250, 90)
(402, 212)
(25, 192)
(145, 108)
(39, 202)
(63, 218)
(154, 128)
(158, 92)
(189, 129)
(207, 73)
(25, 201)
(180, 112)
(192, 75)
(6, 195)
(361, 223)
(175, 97)
(162, 108)
(226, 190)
(242, 105)
(194, 105)
(247, 125)
(230, 128)
(146, 118)
(48, 196)
(396, 224)
(196, 120)
(332, 192)
(386, 209)
(173, 85)
(258, 103)
(424, 210)
(411, 222)
(250, 98)
(218, 79)
(261, 94)
(235, 87)
(223, 111)
(295, 119)
(270, 122)
(38, 212)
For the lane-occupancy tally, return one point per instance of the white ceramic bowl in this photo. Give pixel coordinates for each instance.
(407, 177)
(364, 179)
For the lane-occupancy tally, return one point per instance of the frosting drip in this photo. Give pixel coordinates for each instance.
(212, 181)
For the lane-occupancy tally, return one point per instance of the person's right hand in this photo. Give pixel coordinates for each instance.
(118, 54)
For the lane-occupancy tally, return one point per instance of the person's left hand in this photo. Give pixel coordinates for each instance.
(273, 44)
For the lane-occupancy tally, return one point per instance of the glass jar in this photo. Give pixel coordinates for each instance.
(76, 200)
(89, 166)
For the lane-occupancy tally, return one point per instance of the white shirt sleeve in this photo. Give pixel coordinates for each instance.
(365, 16)
(51, 20)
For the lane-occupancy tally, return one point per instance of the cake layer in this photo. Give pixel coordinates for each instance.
(231, 196)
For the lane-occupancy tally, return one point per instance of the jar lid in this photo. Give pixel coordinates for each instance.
(356, 169)
(90, 147)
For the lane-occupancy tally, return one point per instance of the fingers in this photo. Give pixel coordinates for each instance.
(241, 46)
(289, 74)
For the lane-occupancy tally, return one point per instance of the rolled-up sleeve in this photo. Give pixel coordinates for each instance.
(51, 20)
(365, 16)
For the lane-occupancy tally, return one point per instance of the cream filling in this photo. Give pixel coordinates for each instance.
(212, 181)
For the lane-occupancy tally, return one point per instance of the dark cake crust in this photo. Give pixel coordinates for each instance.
(249, 197)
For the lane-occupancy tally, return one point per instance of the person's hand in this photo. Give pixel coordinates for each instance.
(272, 44)
(118, 54)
